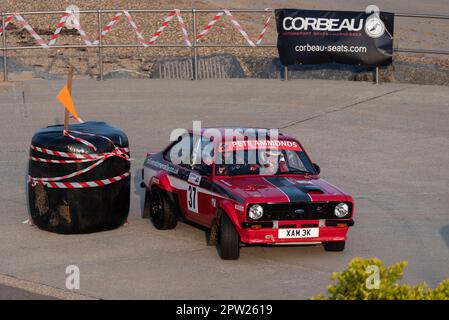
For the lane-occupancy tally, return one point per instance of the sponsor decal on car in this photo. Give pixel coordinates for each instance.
(194, 178)
(259, 144)
(162, 166)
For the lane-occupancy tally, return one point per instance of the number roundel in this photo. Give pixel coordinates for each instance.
(192, 199)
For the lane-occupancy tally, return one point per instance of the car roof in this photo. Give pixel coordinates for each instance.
(209, 132)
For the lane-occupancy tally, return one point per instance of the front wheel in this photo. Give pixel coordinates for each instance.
(228, 240)
(162, 211)
(334, 246)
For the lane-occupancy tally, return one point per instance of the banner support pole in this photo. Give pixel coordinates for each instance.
(286, 73)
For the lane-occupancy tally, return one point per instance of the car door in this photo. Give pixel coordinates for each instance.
(179, 155)
(199, 199)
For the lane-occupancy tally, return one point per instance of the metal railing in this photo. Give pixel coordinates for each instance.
(195, 45)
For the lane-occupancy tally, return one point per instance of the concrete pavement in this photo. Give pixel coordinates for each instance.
(387, 145)
(11, 293)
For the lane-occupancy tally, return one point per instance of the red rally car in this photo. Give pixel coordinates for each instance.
(248, 191)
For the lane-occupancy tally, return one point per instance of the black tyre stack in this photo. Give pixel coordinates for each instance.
(79, 210)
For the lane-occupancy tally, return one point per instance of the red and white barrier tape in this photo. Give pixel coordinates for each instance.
(183, 27)
(91, 156)
(61, 161)
(59, 27)
(83, 34)
(135, 28)
(164, 24)
(108, 27)
(239, 27)
(264, 28)
(30, 30)
(7, 21)
(85, 142)
(104, 32)
(87, 184)
(71, 175)
(122, 151)
(209, 25)
(66, 154)
(55, 182)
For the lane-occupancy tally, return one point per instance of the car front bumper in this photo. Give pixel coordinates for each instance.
(327, 231)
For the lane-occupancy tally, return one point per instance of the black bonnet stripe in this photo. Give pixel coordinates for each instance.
(292, 191)
(310, 188)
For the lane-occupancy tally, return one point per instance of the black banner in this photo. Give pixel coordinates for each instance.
(315, 36)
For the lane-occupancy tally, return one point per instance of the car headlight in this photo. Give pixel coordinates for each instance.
(255, 212)
(341, 210)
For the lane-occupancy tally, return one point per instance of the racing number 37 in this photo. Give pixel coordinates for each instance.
(192, 199)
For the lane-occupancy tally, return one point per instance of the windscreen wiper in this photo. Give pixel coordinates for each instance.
(238, 173)
(295, 171)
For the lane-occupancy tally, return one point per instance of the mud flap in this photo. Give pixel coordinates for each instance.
(212, 235)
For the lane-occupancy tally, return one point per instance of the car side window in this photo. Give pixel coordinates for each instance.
(180, 152)
(297, 161)
(293, 160)
(203, 155)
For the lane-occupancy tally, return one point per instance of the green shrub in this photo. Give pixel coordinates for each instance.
(358, 282)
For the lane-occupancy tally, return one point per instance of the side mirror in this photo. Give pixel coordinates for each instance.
(317, 168)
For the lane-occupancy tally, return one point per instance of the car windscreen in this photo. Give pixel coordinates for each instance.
(262, 161)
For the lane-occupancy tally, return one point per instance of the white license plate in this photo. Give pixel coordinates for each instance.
(298, 233)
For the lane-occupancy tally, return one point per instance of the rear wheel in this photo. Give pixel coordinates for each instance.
(162, 211)
(228, 240)
(334, 245)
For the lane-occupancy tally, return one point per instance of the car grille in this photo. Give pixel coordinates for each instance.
(300, 211)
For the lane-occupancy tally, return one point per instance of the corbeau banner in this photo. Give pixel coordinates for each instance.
(315, 36)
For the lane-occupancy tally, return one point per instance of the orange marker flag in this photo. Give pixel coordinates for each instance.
(66, 100)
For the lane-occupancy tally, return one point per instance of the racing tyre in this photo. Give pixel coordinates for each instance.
(228, 240)
(162, 213)
(334, 246)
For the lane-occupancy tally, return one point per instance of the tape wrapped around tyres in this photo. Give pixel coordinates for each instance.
(79, 210)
